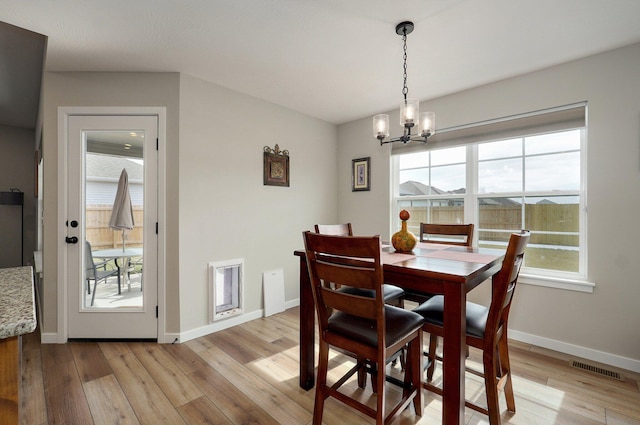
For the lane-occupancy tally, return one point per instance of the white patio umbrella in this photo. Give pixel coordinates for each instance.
(122, 211)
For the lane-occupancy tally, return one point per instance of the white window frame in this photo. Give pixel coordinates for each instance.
(541, 277)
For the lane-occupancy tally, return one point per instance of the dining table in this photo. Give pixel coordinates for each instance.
(430, 268)
(124, 255)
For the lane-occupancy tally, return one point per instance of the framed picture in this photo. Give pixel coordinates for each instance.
(360, 174)
(276, 167)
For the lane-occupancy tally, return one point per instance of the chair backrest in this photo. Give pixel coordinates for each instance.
(350, 261)
(89, 264)
(462, 233)
(504, 285)
(334, 229)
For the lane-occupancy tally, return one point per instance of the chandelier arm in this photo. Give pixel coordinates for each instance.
(406, 139)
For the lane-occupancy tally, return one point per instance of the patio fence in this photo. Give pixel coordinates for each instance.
(101, 236)
(538, 217)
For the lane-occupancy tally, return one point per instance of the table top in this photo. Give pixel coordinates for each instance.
(447, 261)
(117, 253)
(17, 302)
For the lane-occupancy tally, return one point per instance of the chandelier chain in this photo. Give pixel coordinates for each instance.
(405, 90)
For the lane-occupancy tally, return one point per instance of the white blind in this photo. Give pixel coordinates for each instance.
(543, 121)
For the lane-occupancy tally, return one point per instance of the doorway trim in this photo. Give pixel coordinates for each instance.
(63, 131)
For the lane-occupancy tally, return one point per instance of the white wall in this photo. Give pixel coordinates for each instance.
(607, 320)
(217, 206)
(225, 210)
(105, 89)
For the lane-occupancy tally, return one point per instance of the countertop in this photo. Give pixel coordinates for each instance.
(17, 302)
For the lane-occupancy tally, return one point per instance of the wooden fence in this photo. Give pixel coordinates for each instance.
(538, 217)
(101, 236)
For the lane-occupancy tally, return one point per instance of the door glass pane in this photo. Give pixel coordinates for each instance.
(114, 207)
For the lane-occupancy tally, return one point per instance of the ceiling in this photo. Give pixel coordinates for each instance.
(337, 60)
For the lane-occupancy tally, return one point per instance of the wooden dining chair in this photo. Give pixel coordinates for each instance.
(366, 327)
(486, 330)
(450, 234)
(393, 294)
(343, 229)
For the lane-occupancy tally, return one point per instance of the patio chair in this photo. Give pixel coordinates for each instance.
(96, 271)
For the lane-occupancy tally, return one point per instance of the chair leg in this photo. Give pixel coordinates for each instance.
(323, 363)
(93, 296)
(374, 378)
(491, 388)
(433, 346)
(414, 370)
(380, 379)
(362, 374)
(506, 372)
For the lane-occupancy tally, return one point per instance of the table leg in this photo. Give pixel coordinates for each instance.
(115, 261)
(454, 353)
(125, 272)
(307, 329)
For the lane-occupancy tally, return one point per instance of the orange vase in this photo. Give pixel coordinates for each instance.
(403, 241)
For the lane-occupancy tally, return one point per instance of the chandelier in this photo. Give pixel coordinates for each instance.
(409, 108)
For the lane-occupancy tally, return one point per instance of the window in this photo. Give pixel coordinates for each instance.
(533, 181)
(432, 186)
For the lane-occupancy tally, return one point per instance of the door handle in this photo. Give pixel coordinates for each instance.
(72, 239)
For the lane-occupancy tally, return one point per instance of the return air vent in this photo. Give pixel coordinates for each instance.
(597, 370)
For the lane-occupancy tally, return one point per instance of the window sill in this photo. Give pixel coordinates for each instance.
(551, 282)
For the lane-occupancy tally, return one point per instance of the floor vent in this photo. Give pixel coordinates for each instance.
(597, 370)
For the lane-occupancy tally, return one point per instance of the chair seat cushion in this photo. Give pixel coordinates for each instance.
(398, 324)
(433, 312)
(391, 292)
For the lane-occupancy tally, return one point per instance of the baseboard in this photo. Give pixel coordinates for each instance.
(218, 326)
(576, 350)
(170, 338)
(173, 338)
(49, 338)
(292, 303)
(224, 324)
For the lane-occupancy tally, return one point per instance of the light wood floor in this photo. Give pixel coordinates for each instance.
(249, 375)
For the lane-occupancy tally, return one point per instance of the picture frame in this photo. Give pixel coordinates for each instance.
(275, 167)
(361, 174)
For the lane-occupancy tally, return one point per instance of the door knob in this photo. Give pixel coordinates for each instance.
(71, 239)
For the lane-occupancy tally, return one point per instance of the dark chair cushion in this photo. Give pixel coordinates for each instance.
(391, 292)
(398, 324)
(433, 312)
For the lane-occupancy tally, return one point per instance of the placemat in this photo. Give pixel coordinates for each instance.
(394, 257)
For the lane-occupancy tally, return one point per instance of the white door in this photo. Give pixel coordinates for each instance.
(113, 274)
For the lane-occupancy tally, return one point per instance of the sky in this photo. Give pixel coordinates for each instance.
(551, 162)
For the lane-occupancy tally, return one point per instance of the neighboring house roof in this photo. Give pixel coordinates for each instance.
(102, 175)
(497, 201)
(110, 167)
(545, 202)
(412, 187)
